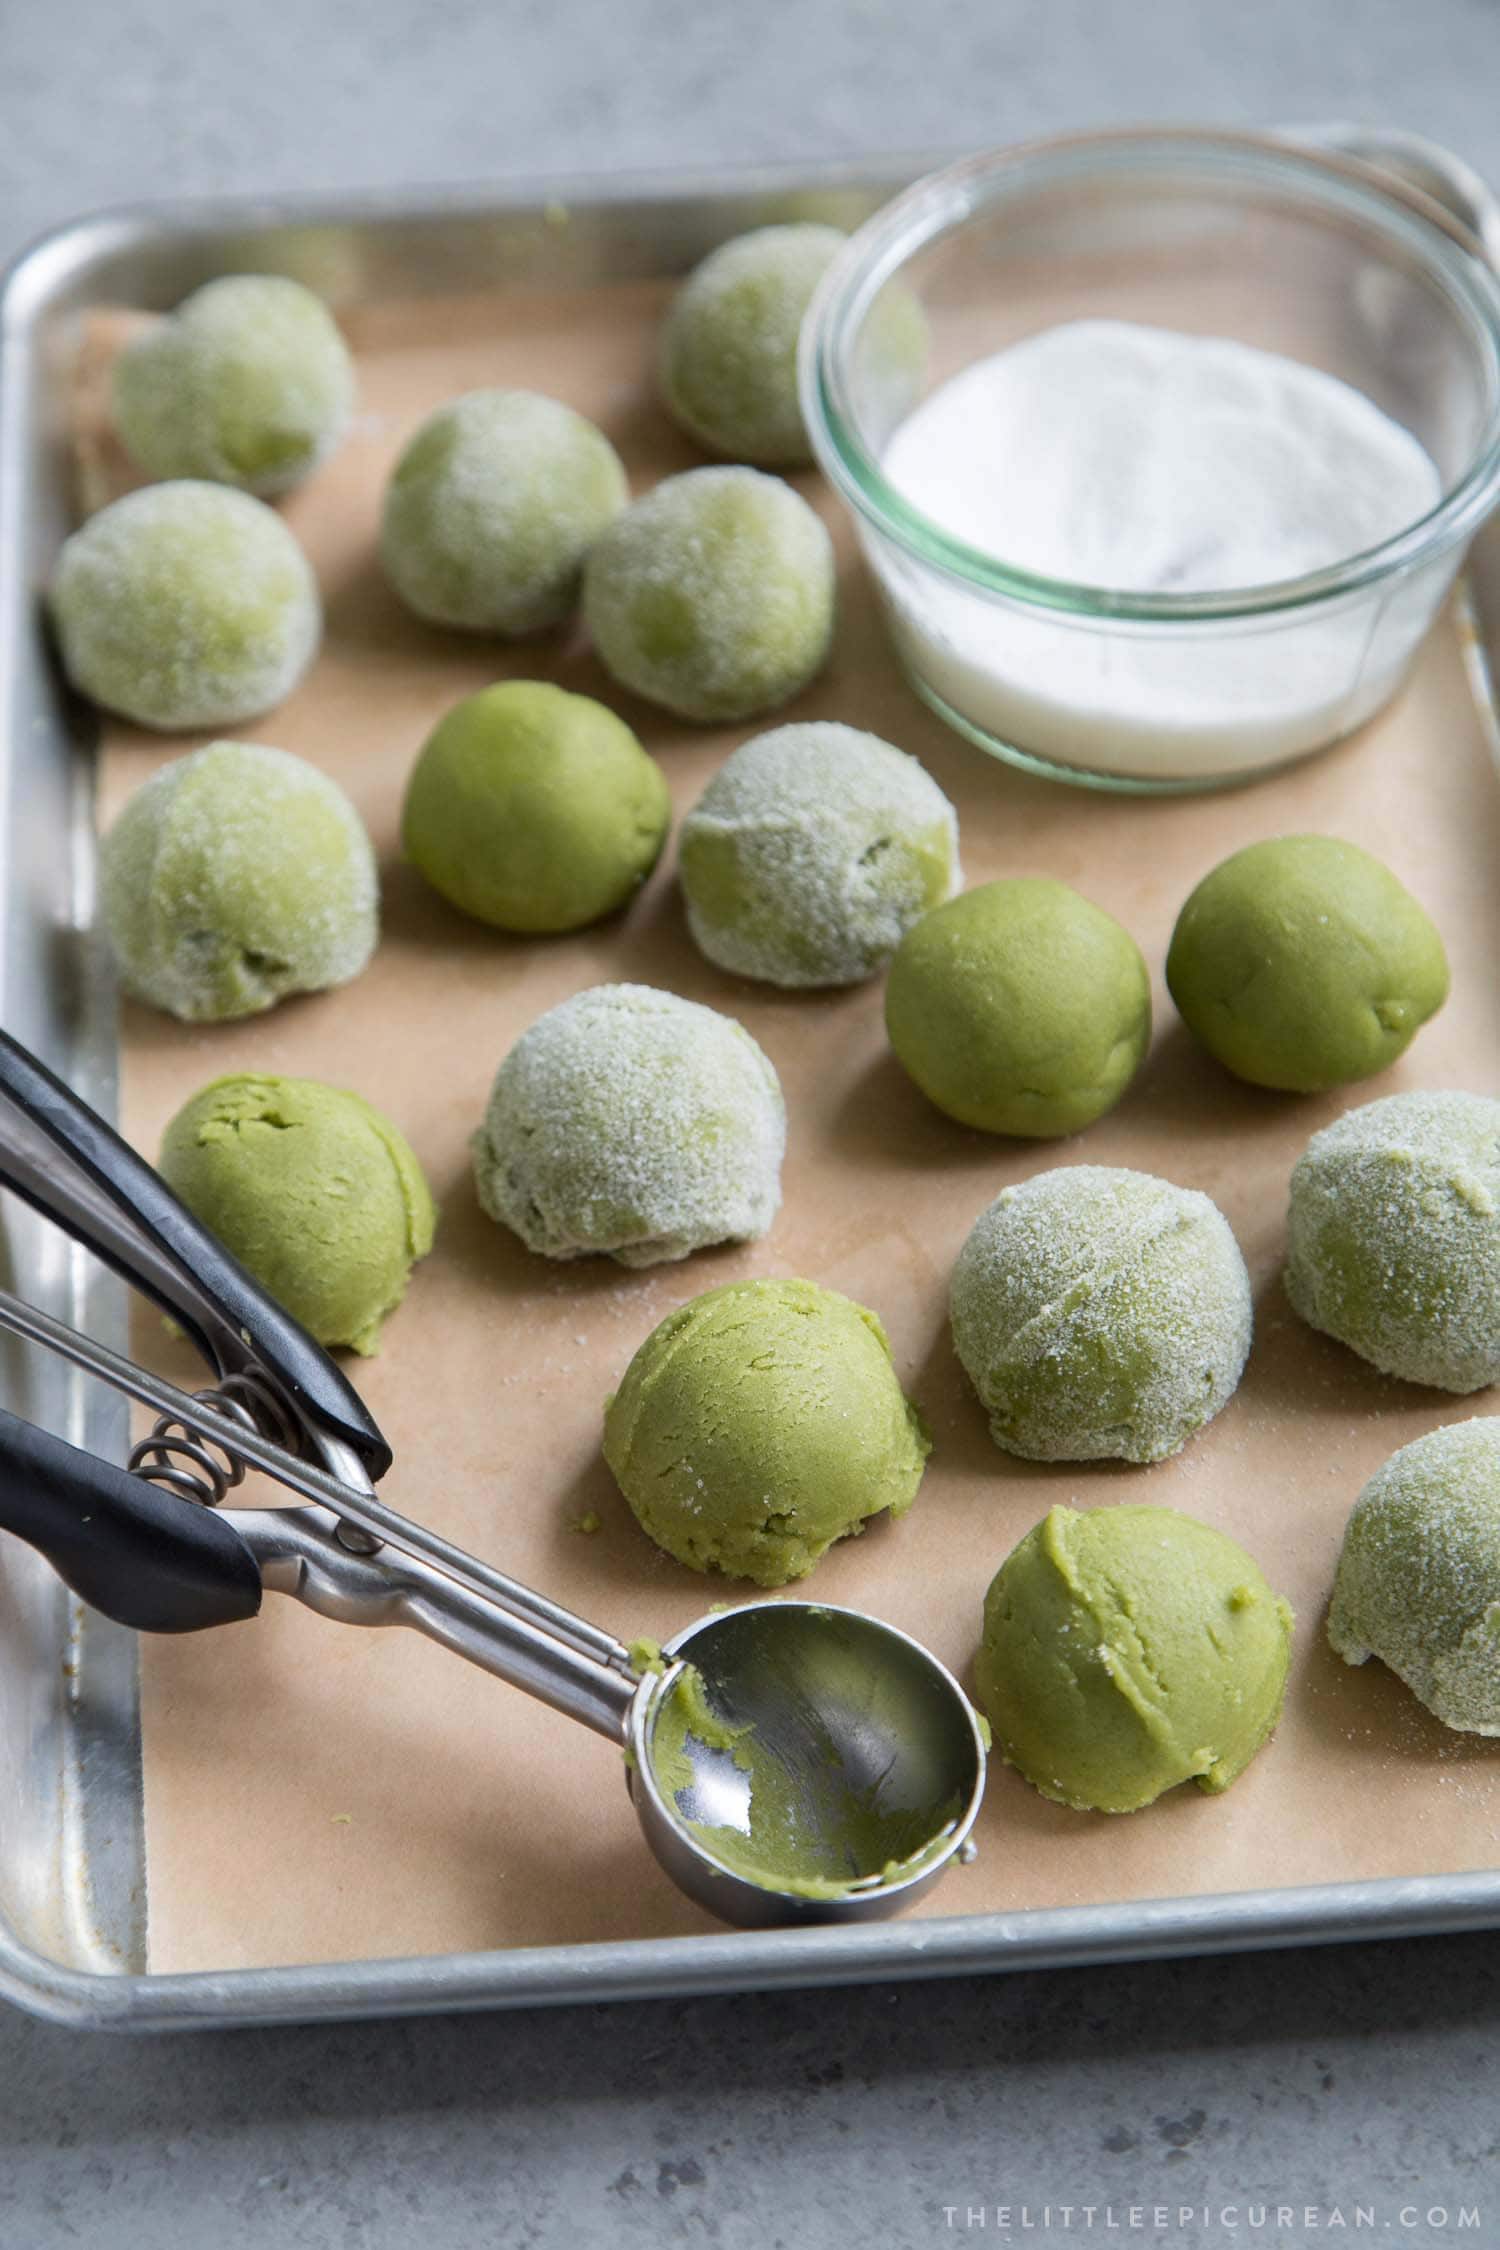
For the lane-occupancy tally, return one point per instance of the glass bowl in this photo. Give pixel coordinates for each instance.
(1315, 256)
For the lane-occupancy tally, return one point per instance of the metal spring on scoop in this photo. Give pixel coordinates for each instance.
(182, 1460)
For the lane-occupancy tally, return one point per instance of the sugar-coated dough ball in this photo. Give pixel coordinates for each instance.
(630, 1122)
(812, 852)
(1393, 1237)
(313, 1190)
(235, 877)
(728, 360)
(1101, 1314)
(1126, 1650)
(185, 605)
(1020, 1008)
(758, 1424)
(491, 509)
(1418, 1581)
(533, 809)
(713, 595)
(1303, 964)
(248, 383)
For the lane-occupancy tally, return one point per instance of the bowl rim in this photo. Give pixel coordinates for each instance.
(937, 204)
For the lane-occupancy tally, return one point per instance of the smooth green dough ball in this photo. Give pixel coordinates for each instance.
(185, 605)
(811, 853)
(1020, 1008)
(1303, 964)
(634, 1124)
(1418, 1581)
(1129, 1649)
(533, 809)
(491, 509)
(1393, 1237)
(713, 595)
(758, 1424)
(247, 383)
(235, 877)
(313, 1190)
(1101, 1314)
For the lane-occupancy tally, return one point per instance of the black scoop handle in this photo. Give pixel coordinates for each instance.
(73, 1168)
(142, 1556)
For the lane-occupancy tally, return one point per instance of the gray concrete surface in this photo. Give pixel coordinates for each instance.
(1356, 2086)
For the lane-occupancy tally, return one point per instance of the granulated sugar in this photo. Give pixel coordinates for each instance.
(1136, 460)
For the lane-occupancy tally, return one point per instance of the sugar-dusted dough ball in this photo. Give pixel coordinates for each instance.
(728, 357)
(758, 1424)
(727, 361)
(713, 595)
(1020, 1007)
(313, 1190)
(248, 383)
(492, 507)
(1393, 1237)
(235, 877)
(1303, 964)
(1101, 1314)
(533, 809)
(630, 1122)
(185, 605)
(812, 852)
(1126, 1650)
(1418, 1581)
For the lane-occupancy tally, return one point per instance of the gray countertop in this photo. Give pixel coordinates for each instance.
(1180, 2103)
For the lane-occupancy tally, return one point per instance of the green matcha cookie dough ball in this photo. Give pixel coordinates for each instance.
(631, 1123)
(493, 506)
(713, 595)
(1393, 1237)
(247, 383)
(1101, 1314)
(728, 358)
(1418, 1581)
(812, 852)
(760, 1422)
(1129, 1649)
(1303, 964)
(728, 361)
(533, 809)
(235, 877)
(185, 605)
(1020, 1008)
(313, 1191)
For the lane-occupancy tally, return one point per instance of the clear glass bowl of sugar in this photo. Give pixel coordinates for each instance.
(1164, 448)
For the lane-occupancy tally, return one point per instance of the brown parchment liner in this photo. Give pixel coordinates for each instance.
(315, 1792)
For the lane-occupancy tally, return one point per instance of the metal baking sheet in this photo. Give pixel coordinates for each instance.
(72, 1908)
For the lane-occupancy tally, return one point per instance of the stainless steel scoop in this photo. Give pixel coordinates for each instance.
(788, 1761)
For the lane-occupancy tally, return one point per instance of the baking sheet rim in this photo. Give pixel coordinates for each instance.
(652, 1967)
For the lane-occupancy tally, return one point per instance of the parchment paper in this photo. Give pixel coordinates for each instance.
(314, 1792)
